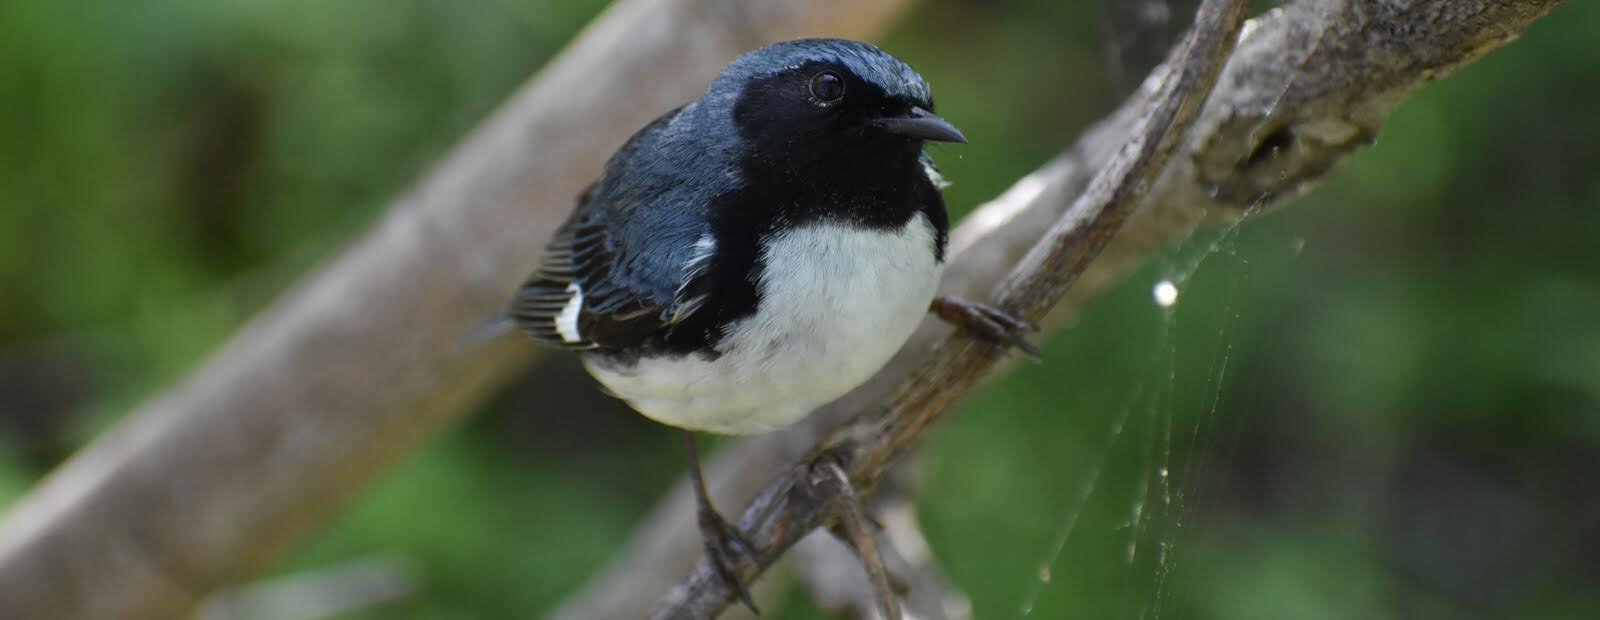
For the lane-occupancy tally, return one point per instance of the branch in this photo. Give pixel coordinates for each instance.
(360, 362)
(1309, 84)
(362, 584)
(837, 581)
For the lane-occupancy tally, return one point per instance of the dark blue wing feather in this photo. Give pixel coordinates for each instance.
(631, 247)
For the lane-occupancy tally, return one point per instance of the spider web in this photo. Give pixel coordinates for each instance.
(1164, 450)
(1146, 432)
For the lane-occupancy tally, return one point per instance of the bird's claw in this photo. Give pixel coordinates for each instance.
(991, 324)
(725, 545)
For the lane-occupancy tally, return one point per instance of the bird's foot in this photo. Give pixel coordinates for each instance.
(988, 323)
(724, 543)
(851, 526)
(725, 546)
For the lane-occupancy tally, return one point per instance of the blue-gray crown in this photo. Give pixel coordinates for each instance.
(896, 78)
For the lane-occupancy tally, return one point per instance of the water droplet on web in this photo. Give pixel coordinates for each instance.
(1165, 293)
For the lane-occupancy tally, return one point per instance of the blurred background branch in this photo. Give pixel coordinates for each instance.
(323, 593)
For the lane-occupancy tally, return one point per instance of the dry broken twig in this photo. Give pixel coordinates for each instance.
(792, 505)
(836, 581)
(1310, 83)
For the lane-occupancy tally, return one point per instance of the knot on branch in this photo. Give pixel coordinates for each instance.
(1276, 157)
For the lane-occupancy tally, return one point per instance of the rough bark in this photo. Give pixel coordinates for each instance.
(1310, 84)
(362, 361)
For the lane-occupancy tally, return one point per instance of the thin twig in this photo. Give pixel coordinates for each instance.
(833, 573)
(834, 484)
(789, 508)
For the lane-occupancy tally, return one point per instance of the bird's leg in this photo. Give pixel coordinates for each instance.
(723, 541)
(988, 323)
(830, 480)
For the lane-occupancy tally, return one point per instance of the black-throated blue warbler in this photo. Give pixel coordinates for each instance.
(758, 252)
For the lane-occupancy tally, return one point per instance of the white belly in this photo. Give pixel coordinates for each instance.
(836, 303)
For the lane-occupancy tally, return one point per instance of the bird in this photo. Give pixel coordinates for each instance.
(758, 252)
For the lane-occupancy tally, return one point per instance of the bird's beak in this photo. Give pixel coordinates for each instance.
(921, 124)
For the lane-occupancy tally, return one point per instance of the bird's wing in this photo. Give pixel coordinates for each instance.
(627, 264)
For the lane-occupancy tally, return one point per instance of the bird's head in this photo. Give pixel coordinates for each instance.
(829, 98)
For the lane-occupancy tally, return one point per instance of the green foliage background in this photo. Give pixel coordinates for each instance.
(1381, 402)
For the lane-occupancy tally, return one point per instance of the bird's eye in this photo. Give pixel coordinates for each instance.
(827, 87)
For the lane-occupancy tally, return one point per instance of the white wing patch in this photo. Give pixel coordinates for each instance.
(567, 321)
(704, 248)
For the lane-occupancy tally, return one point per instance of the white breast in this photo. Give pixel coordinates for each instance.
(836, 302)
